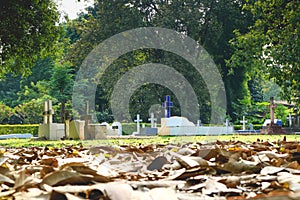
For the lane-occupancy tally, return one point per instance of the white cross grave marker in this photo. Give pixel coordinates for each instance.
(138, 120)
(244, 123)
(152, 120)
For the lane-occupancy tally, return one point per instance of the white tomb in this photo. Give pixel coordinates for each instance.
(182, 126)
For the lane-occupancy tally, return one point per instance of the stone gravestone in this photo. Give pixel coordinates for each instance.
(76, 129)
(198, 122)
(138, 120)
(50, 130)
(152, 130)
(244, 123)
(117, 127)
(152, 120)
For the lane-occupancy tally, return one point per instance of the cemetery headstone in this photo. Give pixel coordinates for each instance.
(77, 129)
(117, 126)
(167, 105)
(198, 122)
(244, 123)
(138, 120)
(152, 120)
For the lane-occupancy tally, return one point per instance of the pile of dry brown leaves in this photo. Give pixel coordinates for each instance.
(219, 170)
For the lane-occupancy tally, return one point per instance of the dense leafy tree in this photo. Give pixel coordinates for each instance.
(211, 23)
(9, 88)
(271, 45)
(60, 85)
(5, 113)
(28, 29)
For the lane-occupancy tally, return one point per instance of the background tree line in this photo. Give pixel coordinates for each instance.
(253, 43)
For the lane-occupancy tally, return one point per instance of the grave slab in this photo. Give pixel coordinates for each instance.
(16, 136)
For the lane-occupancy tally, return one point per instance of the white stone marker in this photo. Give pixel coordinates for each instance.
(138, 120)
(244, 123)
(152, 120)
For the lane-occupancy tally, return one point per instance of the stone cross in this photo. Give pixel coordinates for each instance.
(138, 120)
(290, 119)
(244, 123)
(152, 120)
(86, 117)
(48, 112)
(167, 105)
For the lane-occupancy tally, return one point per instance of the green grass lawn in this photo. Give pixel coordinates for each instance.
(144, 140)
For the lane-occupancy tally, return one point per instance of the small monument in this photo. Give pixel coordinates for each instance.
(152, 120)
(244, 123)
(76, 130)
(198, 122)
(50, 130)
(167, 105)
(138, 120)
(182, 126)
(117, 129)
(148, 131)
(272, 127)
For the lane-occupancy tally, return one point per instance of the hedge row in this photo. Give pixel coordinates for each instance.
(18, 128)
(240, 127)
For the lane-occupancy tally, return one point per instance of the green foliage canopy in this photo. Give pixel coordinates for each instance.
(28, 29)
(272, 44)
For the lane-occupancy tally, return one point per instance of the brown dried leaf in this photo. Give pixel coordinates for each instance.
(66, 177)
(50, 162)
(157, 163)
(238, 167)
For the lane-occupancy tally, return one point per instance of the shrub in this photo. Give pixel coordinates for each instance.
(18, 128)
(240, 127)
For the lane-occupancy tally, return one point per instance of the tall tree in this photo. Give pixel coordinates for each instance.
(61, 84)
(28, 29)
(271, 45)
(211, 23)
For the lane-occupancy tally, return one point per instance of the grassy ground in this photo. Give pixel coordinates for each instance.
(144, 140)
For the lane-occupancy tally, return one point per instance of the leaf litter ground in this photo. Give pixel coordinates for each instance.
(192, 170)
